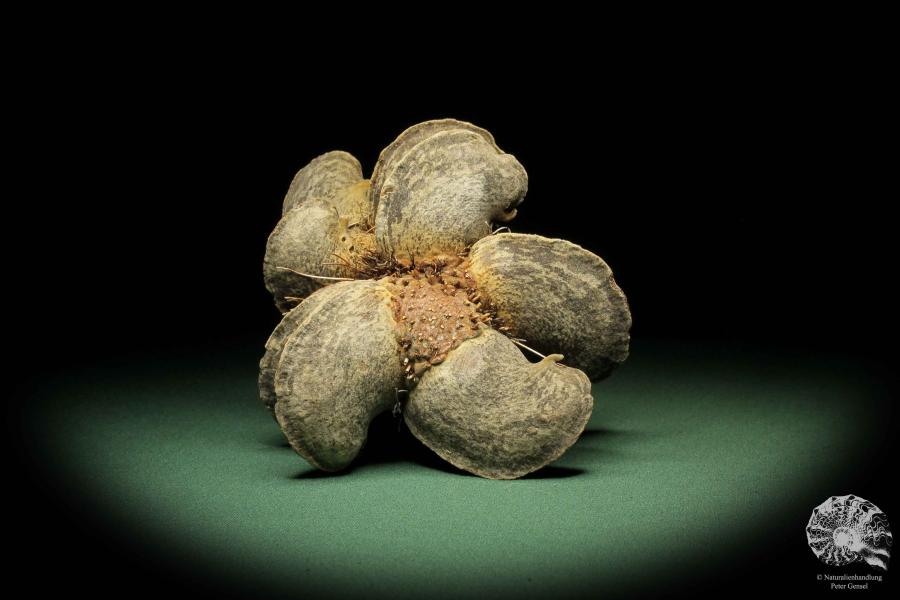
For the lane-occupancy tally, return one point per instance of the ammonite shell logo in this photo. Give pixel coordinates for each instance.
(848, 529)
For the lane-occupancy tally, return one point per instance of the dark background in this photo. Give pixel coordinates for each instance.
(742, 197)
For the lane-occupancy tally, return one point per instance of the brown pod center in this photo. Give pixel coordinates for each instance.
(437, 307)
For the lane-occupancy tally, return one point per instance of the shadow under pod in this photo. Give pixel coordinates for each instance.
(315, 473)
(606, 432)
(554, 472)
(276, 440)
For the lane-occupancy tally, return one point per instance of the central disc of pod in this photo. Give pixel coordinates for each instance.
(436, 307)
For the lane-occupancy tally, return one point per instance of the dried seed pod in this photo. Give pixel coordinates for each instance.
(353, 204)
(274, 345)
(489, 411)
(423, 305)
(269, 361)
(338, 370)
(439, 187)
(557, 296)
(407, 140)
(323, 178)
(316, 238)
(305, 238)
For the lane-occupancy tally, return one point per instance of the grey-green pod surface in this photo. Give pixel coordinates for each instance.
(338, 370)
(557, 296)
(276, 342)
(323, 228)
(440, 186)
(489, 411)
(324, 178)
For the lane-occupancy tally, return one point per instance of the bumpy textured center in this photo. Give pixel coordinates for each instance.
(437, 307)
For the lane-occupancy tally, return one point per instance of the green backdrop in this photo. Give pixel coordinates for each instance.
(691, 456)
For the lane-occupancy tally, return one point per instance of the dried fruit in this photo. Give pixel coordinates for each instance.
(399, 293)
(439, 187)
